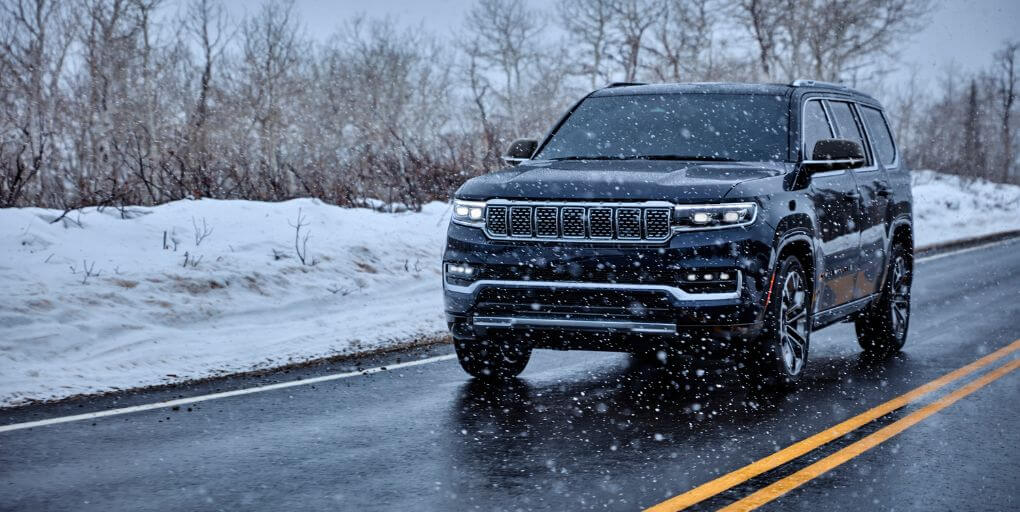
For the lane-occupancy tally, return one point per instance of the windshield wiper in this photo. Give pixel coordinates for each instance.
(699, 158)
(602, 157)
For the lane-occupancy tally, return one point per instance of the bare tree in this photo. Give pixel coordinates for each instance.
(681, 43)
(631, 21)
(1006, 83)
(828, 39)
(587, 22)
(34, 39)
(973, 153)
(271, 59)
(503, 34)
(206, 21)
(762, 18)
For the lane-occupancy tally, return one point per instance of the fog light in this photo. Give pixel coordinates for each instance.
(723, 276)
(692, 277)
(707, 277)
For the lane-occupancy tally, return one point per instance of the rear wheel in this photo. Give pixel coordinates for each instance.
(882, 328)
(778, 360)
(493, 357)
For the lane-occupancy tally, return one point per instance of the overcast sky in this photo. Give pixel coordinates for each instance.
(964, 32)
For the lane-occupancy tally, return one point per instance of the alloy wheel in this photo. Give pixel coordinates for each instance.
(899, 300)
(794, 323)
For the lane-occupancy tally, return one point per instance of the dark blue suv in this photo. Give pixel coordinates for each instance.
(714, 221)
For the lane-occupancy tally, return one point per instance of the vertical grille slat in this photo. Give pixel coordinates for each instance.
(520, 221)
(657, 223)
(628, 223)
(546, 222)
(597, 222)
(495, 219)
(601, 222)
(572, 222)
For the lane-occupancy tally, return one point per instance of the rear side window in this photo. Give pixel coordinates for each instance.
(816, 126)
(845, 123)
(880, 134)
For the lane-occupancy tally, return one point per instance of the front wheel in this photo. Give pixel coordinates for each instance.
(779, 357)
(882, 328)
(493, 357)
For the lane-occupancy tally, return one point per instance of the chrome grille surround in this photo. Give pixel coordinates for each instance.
(582, 222)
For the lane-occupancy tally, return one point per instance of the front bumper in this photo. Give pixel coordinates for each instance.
(615, 289)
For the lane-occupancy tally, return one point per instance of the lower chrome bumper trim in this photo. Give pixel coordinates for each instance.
(676, 292)
(570, 323)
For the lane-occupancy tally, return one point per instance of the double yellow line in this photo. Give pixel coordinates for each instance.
(780, 487)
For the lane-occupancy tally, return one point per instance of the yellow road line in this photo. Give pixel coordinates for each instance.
(781, 487)
(806, 445)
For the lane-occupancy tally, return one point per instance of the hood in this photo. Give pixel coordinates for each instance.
(617, 180)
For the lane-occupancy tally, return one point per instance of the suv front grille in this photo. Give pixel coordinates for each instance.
(626, 223)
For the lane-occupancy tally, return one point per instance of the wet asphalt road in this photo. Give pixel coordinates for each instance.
(578, 431)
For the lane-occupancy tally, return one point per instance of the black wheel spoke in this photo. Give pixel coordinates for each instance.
(796, 315)
(797, 337)
(793, 331)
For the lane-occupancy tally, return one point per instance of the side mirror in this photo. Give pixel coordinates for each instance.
(832, 154)
(519, 151)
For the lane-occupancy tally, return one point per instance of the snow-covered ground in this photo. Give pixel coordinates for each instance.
(142, 316)
(247, 303)
(947, 207)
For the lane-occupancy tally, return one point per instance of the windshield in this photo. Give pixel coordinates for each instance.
(698, 126)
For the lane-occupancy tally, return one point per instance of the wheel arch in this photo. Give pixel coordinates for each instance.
(902, 233)
(794, 237)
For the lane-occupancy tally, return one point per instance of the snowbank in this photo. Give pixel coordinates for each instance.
(248, 302)
(947, 207)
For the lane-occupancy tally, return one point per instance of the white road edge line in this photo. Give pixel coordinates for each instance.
(315, 380)
(941, 255)
(224, 394)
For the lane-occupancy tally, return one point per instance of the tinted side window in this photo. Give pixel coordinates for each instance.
(816, 126)
(845, 123)
(880, 134)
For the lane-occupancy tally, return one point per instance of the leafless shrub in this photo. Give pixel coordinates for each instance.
(416, 266)
(170, 241)
(335, 290)
(190, 260)
(301, 244)
(87, 269)
(201, 233)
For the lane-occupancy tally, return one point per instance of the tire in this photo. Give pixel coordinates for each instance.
(778, 358)
(494, 357)
(882, 328)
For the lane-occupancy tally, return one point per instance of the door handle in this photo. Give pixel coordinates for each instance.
(884, 191)
(852, 195)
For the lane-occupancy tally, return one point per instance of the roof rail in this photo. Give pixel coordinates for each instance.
(624, 84)
(817, 83)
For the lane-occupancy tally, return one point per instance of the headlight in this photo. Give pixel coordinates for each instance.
(469, 213)
(713, 216)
